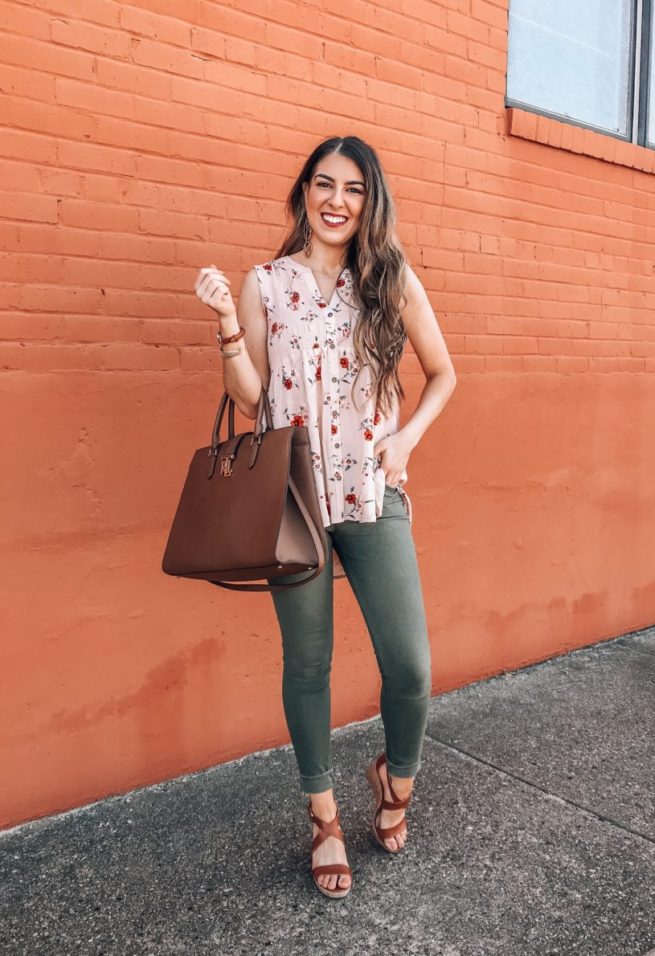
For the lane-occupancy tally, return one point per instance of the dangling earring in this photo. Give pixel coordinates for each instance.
(307, 231)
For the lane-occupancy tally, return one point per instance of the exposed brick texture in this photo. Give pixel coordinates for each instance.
(138, 142)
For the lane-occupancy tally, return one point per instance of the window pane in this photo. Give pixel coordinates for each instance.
(572, 57)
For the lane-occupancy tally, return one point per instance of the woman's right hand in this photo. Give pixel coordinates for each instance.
(212, 288)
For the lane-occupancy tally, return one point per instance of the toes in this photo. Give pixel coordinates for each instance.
(396, 842)
(334, 882)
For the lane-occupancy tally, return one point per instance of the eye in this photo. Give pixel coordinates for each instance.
(351, 189)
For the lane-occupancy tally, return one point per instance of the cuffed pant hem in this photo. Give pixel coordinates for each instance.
(410, 771)
(317, 784)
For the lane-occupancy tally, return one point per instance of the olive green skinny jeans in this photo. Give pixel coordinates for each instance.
(380, 562)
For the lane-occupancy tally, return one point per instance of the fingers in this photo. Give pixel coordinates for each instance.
(215, 269)
(212, 292)
(208, 283)
(209, 274)
(400, 480)
(392, 477)
(212, 286)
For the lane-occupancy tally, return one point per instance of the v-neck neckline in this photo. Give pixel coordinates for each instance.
(308, 269)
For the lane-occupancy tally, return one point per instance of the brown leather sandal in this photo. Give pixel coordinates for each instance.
(327, 829)
(375, 781)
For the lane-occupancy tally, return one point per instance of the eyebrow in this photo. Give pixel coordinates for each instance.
(350, 182)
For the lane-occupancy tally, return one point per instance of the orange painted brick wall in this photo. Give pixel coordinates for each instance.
(142, 140)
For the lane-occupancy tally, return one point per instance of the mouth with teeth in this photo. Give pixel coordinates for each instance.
(333, 221)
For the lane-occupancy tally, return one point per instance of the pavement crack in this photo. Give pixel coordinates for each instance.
(603, 818)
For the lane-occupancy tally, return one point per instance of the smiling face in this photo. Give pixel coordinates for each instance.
(335, 198)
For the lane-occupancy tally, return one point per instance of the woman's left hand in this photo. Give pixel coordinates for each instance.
(393, 452)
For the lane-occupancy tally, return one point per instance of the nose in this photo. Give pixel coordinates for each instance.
(336, 199)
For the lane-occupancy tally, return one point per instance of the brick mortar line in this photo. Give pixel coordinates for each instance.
(373, 27)
(282, 128)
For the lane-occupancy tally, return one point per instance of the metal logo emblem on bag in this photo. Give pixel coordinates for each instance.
(226, 466)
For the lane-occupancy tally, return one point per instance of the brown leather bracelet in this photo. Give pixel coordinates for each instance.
(224, 340)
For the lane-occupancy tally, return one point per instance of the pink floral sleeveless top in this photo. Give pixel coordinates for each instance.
(313, 367)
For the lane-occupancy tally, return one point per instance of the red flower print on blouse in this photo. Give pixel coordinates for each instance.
(268, 267)
(343, 361)
(376, 420)
(334, 429)
(297, 420)
(274, 328)
(340, 283)
(318, 374)
(368, 434)
(322, 304)
(287, 383)
(295, 299)
(350, 499)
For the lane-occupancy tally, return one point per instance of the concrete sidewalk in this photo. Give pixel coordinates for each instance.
(531, 831)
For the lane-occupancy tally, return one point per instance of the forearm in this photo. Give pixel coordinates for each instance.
(434, 396)
(241, 379)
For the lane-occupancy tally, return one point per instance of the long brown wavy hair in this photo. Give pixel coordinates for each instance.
(376, 262)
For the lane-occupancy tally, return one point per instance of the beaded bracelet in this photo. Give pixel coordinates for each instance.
(231, 353)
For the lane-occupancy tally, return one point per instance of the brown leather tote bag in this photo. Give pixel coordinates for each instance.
(249, 507)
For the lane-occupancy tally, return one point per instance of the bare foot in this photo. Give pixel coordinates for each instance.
(387, 818)
(331, 850)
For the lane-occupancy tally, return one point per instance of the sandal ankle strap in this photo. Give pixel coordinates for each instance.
(326, 828)
(396, 804)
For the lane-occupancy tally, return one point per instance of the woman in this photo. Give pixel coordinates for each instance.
(322, 327)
